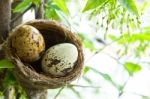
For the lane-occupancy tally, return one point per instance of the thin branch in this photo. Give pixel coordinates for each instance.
(76, 92)
(21, 14)
(122, 89)
(114, 58)
(39, 14)
(146, 97)
(58, 93)
(101, 49)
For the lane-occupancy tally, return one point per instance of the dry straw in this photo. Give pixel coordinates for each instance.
(31, 76)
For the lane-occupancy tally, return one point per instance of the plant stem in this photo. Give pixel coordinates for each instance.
(39, 14)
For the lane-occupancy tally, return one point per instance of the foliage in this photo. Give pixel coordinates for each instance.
(132, 67)
(6, 64)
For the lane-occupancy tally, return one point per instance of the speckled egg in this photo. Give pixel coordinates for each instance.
(27, 43)
(59, 59)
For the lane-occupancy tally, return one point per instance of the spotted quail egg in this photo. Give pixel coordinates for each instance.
(59, 59)
(27, 43)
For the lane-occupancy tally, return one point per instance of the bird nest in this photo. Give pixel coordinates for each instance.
(30, 75)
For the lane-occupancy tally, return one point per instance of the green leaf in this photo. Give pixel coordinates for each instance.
(51, 14)
(92, 4)
(22, 6)
(36, 2)
(62, 5)
(1, 94)
(130, 6)
(6, 64)
(9, 79)
(132, 68)
(86, 69)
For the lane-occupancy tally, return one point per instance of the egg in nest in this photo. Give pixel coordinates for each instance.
(27, 43)
(60, 59)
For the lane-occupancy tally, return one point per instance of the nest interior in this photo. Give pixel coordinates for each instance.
(53, 33)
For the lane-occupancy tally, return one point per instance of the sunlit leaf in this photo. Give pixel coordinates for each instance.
(132, 68)
(92, 4)
(130, 6)
(133, 38)
(62, 5)
(4, 63)
(22, 6)
(51, 14)
(36, 2)
(86, 69)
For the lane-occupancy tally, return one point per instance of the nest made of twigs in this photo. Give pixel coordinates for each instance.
(31, 75)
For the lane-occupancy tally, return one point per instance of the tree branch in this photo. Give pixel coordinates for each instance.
(5, 17)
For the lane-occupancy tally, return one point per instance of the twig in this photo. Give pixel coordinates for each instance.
(146, 97)
(58, 93)
(21, 14)
(82, 86)
(101, 49)
(121, 91)
(116, 59)
(76, 92)
(39, 13)
(105, 76)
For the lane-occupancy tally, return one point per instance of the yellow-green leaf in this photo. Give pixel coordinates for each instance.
(86, 69)
(22, 6)
(6, 64)
(130, 6)
(132, 68)
(92, 4)
(62, 5)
